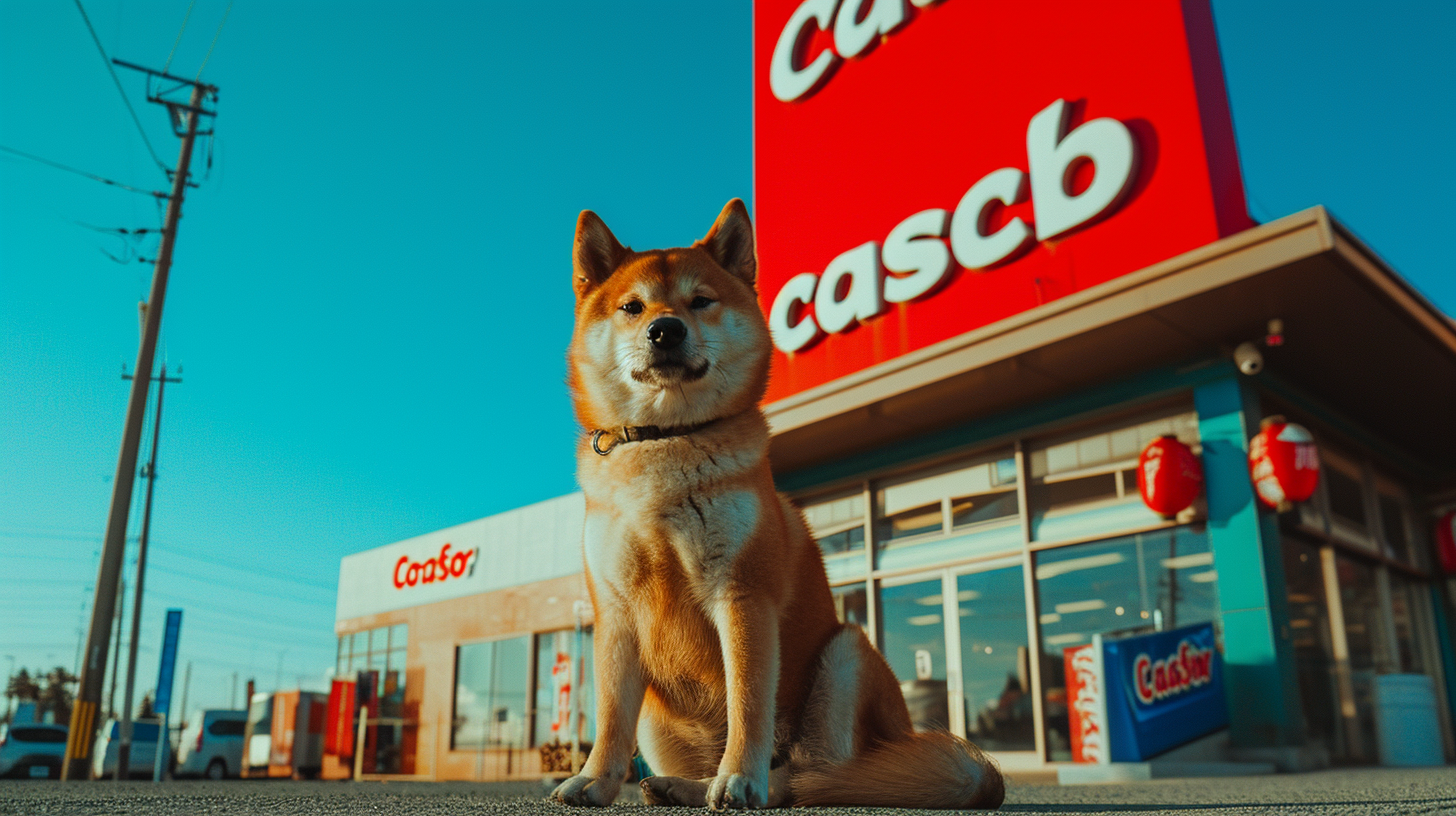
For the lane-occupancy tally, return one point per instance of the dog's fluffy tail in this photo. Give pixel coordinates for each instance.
(934, 770)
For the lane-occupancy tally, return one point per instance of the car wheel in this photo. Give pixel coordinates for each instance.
(216, 769)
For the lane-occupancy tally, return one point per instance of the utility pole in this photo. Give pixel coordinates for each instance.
(82, 732)
(182, 712)
(123, 751)
(120, 604)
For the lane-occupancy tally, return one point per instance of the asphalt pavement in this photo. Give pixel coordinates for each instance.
(1357, 792)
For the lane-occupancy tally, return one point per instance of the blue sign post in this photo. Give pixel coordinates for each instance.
(1163, 690)
(170, 635)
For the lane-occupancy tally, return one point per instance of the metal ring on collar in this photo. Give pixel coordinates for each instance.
(596, 440)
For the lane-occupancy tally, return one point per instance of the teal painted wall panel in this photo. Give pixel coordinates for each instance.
(1262, 687)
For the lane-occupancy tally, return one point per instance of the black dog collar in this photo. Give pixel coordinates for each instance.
(604, 441)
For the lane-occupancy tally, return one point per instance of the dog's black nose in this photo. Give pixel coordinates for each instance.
(667, 333)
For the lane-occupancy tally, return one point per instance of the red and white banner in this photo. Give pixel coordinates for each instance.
(1087, 703)
(561, 695)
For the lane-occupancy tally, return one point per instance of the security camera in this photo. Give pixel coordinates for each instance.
(1249, 359)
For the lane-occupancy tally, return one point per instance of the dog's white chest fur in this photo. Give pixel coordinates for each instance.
(705, 527)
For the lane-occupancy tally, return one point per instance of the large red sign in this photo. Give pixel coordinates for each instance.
(924, 169)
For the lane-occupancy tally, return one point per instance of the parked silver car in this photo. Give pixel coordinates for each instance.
(212, 744)
(143, 749)
(32, 750)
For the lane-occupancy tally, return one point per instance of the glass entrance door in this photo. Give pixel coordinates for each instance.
(957, 640)
(912, 639)
(994, 694)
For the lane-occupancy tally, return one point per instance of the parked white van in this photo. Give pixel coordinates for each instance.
(211, 745)
(143, 749)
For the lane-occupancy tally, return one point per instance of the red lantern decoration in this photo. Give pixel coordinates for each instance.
(1169, 476)
(1446, 543)
(1284, 463)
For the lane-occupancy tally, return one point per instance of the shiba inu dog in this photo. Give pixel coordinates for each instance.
(717, 647)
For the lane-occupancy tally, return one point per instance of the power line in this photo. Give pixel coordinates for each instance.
(214, 37)
(114, 78)
(178, 41)
(92, 176)
(274, 575)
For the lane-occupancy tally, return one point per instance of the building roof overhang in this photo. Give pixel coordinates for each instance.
(1359, 339)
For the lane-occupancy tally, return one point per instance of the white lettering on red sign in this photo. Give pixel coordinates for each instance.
(441, 567)
(855, 23)
(859, 283)
(1184, 670)
(1087, 706)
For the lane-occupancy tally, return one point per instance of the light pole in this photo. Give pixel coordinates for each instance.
(278, 678)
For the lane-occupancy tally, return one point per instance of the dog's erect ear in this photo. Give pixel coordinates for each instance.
(595, 255)
(730, 242)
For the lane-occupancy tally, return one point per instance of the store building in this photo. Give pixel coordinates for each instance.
(961, 396)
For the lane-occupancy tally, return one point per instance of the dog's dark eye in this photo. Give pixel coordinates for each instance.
(632, 307)
(701, 302)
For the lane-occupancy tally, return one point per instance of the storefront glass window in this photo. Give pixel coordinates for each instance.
(837, 522)
(553, 702)
(1314, 654)
(1086, 484)
(1129, 585)
(1392, 524)
(1406, 606)
(1364, 633)
(490, 707)
(995, 662)
(912, 640)
(370, 650)
(1346, 497)
(850, 606)
(965, 508)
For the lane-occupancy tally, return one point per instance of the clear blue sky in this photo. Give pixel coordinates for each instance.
(370, 294)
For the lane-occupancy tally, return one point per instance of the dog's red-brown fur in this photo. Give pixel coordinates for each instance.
(717, 647)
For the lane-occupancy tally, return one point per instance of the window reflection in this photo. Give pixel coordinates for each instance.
(381, 651)
(1405, 604)
(1128, 585)
(1309, 631)
(913, 642)
(926, 518)
(837, 522)
(1086, 484)
(968, 510)
(1365, 636)
(850, 606)
(1346, 501)
(490, 694)
(1392, 524)
(555, 675)
(995, 660)
(975, 498)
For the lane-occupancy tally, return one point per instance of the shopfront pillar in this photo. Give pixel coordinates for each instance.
(1259, 667)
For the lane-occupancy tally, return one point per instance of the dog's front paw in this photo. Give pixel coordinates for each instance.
(736, 791)
(586, 791)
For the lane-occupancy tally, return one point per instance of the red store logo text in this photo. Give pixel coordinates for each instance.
(443, 567)
(1180, 672)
